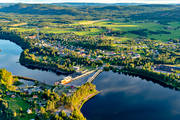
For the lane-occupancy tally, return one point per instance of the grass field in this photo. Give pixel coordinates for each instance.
(56, 30)
(15, 104)
(23, 29)
(173, 28)
(86, 22)
(93, 31)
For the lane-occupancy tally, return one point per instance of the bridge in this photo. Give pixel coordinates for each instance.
(94, 76)
(83, 75)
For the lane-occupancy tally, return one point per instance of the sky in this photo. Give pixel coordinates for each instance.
(93, 1)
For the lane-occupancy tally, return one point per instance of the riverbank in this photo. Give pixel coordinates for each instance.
(166, 80)
(25, 78)
(87, 98)
(26, 60)
(75, 101)
(45, 67)
(26, 44)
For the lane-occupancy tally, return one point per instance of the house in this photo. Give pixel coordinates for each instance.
(7, 93)
(35, 96)
(32, 37)
(76, 68)
(13, 96)
(56, 83)
(83, 54)
(109, 53)
(136, 56)
(29, 111)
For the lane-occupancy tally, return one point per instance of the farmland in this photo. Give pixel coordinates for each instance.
(152, 30)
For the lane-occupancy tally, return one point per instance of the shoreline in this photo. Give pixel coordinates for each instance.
(162, 83)
(25, 78)
(158, 79)
(25, 45)
(87, 99)
(45, 68)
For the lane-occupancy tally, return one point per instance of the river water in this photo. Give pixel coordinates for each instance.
(123, 97)
(9, 59)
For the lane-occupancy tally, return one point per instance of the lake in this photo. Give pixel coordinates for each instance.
(125, 97)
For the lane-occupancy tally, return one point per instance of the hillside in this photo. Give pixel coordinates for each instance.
(92, 11)
(94, 4)
(41, 9)
(163, 16)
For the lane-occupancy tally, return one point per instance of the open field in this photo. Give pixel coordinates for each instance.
(86, 22)
(23, 29)
(130, 30)
(17, 104)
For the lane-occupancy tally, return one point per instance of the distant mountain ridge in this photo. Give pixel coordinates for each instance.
(97, 10)
(94, 4)
(41, 9)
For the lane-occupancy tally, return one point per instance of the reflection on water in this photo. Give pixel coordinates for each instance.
(9, 58)
(131, 98)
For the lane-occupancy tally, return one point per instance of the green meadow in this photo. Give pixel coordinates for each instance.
(173, 28)
(16, 105)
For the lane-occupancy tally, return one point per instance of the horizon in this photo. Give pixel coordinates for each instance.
(93, 1)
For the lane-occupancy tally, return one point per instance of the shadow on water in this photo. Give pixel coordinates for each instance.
(128, 97)
(153, 80)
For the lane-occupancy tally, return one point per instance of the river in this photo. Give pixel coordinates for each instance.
(123, 97)
(9, 59)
